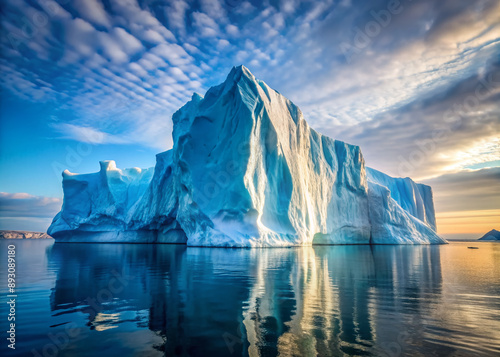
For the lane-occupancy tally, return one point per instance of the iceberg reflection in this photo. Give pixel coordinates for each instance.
(322, 300)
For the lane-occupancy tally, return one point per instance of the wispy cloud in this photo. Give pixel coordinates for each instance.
(467, 201)
(92, 11)
(87, 135)
(20, 205)
(468, 190)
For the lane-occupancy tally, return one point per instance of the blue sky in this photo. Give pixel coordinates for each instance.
(415, 83)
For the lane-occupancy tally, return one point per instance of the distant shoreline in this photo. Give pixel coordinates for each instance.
(14, 234)
(9, 234)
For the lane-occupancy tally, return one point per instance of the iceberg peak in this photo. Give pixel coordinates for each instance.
(238, 72)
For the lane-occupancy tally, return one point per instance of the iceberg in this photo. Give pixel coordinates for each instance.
(246, 170)
(492, 235)
(101, 203)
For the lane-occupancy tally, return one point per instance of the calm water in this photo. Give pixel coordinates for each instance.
(156, 300)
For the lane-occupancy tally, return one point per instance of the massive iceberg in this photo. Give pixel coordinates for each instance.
(246, 170)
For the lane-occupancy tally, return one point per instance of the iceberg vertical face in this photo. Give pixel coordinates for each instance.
(250, 171)
(247, 170)
(401, 211)
(156, 211)
(415, 198)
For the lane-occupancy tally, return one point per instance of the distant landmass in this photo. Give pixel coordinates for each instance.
(23, 235)
(491, 235)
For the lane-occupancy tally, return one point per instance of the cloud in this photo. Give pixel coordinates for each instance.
(206, 25)
(112, 49)
(176, 15)
(222, 44)
(129, 43)
(467, 190)
(178, 74)
(93, 11)
(214, 9)
(288, 6)
(467, 203)
(88, 135)
(152, 36)
(14, 205)
(232, 30)
(448, 130)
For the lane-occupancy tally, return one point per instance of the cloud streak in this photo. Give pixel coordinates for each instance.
(467, 203)
(22, 205)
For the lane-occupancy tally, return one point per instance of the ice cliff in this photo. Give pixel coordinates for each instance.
(246, 170)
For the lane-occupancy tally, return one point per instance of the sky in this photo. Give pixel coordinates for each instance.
(414, 83)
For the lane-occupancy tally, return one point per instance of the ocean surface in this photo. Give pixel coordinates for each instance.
(171, 300)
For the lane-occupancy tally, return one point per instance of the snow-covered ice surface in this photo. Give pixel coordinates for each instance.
(246, 170)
